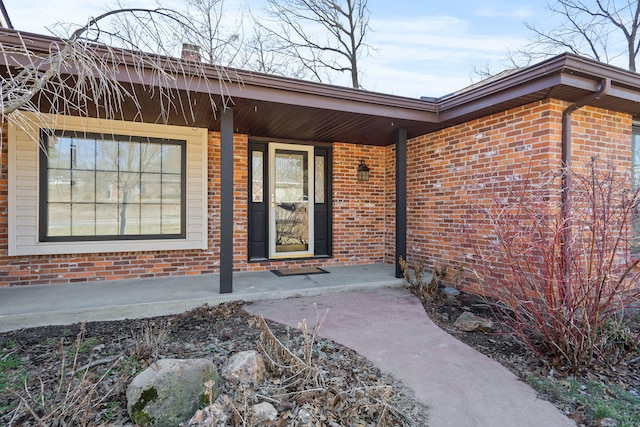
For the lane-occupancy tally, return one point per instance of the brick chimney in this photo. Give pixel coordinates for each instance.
(190, 52)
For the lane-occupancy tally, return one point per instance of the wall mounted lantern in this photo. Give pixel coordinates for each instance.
(363, 171)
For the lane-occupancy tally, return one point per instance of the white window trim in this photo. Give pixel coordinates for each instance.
(23, 191)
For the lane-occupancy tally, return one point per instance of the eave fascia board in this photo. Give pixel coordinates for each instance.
(564, 70)
(504, 95)
(305, 99)
(226, 81)
(598, 70)
(524, 76)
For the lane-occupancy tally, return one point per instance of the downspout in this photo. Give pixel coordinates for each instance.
(565, 207)
(605, 85)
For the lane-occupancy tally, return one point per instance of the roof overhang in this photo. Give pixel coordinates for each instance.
(277, 107)
(566, 77)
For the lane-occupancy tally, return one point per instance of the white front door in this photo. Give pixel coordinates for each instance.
(291, 191)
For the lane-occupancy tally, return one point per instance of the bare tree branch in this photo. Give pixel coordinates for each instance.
(601, 29)
(321, 34)
(83, 74)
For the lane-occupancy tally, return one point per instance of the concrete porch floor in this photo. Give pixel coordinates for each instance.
(30, 306)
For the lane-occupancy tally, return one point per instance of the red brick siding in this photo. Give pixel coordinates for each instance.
(601, 133)
(4, 207)
(450, 173)
(359, 227)
(358, 207)
(454, 173)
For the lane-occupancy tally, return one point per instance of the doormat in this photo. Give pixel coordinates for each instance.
(298, 271)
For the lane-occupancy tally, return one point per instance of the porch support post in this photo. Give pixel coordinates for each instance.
(401, 198)
(226, 201)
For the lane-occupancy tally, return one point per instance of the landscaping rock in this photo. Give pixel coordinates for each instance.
(264, 412)
(450, 292)
(245, 367)
(608, 422)
(170, 391)
(469, 322)
(213, 415)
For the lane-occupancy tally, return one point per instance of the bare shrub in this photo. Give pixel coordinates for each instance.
(346, 401)
(149, 341)
(565, 276)
(414, 276)
(296, 365)
(77, 397)
(441, 277)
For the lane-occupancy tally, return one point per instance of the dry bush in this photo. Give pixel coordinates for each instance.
(414, 276)
(150, 340)
(441, 277)
(344, 401)
(295, 364)
(76, 399)
(565, 276)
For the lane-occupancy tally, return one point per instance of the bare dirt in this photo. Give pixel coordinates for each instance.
(77, 375)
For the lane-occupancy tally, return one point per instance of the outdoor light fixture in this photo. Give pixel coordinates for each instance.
(363, 171)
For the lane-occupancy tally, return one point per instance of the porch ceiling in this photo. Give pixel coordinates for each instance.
(281, 121)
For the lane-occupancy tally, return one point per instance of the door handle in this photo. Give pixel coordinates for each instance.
(273, 200)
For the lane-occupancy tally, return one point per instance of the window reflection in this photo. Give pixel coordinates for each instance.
(105, 188)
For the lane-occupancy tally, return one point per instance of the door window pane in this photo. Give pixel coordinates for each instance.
(291, 201)
(319, 179)
(291, 176)
(257, 176)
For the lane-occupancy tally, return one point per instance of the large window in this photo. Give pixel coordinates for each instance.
(97, 187)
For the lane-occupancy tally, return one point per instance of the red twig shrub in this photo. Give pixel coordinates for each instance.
(565, 278)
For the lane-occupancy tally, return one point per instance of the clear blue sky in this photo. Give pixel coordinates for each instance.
(423, 48)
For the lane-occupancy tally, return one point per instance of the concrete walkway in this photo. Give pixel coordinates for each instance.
(369, 312)
(461, 387)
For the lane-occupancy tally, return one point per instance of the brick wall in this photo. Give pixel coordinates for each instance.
(601, 133)
(451, 174)
(456, 173)
(359, 209)
(358, 237)
(390, 204)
